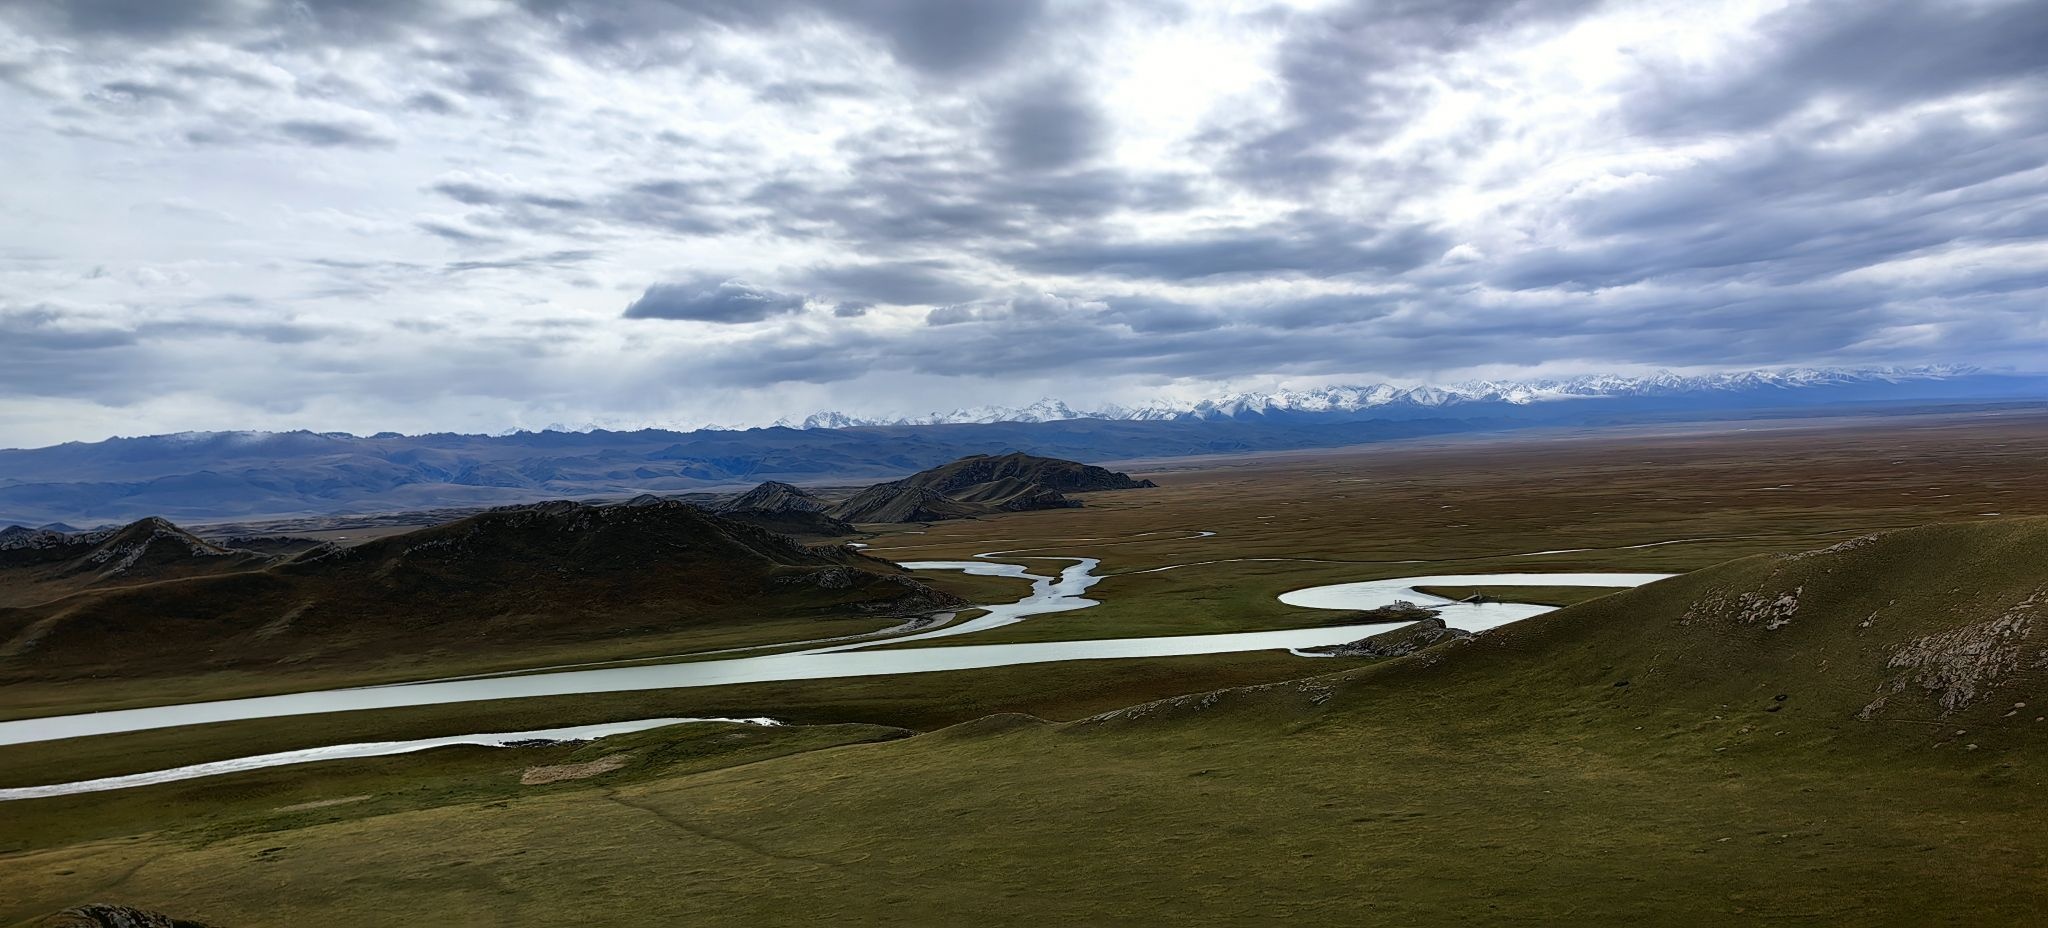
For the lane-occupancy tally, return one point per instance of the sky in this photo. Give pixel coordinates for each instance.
(476, 215)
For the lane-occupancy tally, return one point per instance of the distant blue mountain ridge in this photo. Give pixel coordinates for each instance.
(199, 477)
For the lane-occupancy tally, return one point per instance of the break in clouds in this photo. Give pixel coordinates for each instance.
(475, 214)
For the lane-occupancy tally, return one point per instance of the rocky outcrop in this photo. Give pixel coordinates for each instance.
(273, 545)
(1771, 610)
(1408, 639)
(103, 915)
(1958, 666)
(911, 597)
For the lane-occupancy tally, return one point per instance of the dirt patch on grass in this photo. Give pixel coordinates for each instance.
(534, 776)
(322, 803)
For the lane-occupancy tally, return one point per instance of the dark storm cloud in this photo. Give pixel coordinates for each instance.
(557, 260)
(216, 72)
(946, 36)
(1324, 310)
(1047, 127)
(142, 91)
(46, 341)
(1861, 54)
(1806, 209)
(937, 37)
(1345, 75)
(709, 299)
(136, 18)
(285, 332)
(328, 134)
(893, 199)
(470, 193)
(44, 328)
(1335, 333)
(427, 101)
(1312, 245)
(675, 206)
(457, 235)
(1146, 315)
(908, 283)
(323, 21)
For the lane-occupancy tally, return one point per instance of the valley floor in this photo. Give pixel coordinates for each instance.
(1370, 794)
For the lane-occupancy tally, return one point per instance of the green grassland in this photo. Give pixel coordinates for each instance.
(1476, 505)
(1669, 755)
(1486, 505)
(1685, 753)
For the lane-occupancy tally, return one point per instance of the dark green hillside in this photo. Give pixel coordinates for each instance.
(41, 565)
(504, 581)
(980, 485)
(784, 508)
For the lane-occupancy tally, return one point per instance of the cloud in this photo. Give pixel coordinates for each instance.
(947, 36)
(1854, 55)
(328, 134)
(456, 234)
(980, 198)
(141, 92)
(44, 328)
(1357, 72)
(138, 18)
(910, 283)
(709, 299)
(1048, 127)
(1307, 244)
(943, 38)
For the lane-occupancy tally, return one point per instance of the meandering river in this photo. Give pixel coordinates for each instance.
(1048, 595)
(343, 751)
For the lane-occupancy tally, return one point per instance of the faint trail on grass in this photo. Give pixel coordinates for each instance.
(747, 846)
(1460, 558)
(116, 882)
(1242, 560)
(1135, 540)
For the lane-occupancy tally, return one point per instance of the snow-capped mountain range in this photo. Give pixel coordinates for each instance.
(1381, 396)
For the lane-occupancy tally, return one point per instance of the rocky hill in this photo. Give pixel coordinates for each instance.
(982, 485)
(42, 564)
(103, 915)
(505, 580)
(785, 508)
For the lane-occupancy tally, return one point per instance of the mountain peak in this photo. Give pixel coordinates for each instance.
(1359, 398)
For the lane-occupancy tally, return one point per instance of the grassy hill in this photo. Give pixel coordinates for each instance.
(508, 582)
(1846, 736)
(981, 485)
(786, 509)
(37, 566)
(1926, 628)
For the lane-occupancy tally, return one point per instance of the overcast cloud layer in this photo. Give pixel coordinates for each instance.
(478, 214)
